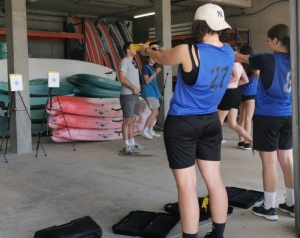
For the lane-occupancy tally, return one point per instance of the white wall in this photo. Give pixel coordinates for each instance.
(260, 23)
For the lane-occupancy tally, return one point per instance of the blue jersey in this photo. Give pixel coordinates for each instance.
(250, 88)
(276, 100)
(215, 68)
(150, 89)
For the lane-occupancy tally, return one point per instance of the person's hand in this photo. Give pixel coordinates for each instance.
(136, 90)
(157, 71)
(154, 47)
(143, 48)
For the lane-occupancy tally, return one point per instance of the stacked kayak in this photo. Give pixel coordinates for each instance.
(90, 119)
(95, 86)
(40, 88)
(38, 98)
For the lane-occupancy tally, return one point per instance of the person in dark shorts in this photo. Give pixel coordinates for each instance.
(272, 122)
(129, 98)
(231, 100)
(192, 130)
(248, 95)
(151, 95)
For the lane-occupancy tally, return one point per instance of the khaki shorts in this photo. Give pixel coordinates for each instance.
(152, 102)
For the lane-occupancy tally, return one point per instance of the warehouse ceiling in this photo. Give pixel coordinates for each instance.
(112, 8)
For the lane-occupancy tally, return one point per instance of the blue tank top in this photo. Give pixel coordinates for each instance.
(249, 88)
(214, 74)
(150, 89)
(276, 100)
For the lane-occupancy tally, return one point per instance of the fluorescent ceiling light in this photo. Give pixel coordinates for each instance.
(144, 15)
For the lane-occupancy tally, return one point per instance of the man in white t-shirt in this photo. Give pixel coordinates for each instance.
(129, 98)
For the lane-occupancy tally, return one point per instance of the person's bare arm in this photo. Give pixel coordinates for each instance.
(148, 78)
(234, 75)
(242, 58)
(169, 56)
(244, 78)
(125, 81)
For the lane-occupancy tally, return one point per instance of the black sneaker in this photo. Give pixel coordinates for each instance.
(285, 208)
(269, 214)
(241, 144)
(209, 235)
(247, 146)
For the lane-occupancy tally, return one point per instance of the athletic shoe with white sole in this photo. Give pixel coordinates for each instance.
(285, 208)
(136, 146)
(127, 149)
(154, 134)
(147, 135)
(269, 214)
(247, 146)
(241, 144)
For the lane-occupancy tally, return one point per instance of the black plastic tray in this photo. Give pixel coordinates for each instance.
(204, 215)
(84, 227)
(146, 224)
(239, 197)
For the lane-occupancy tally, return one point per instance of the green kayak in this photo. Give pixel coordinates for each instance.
(43, 90)
(97, 92)
(38, 81)
(80, 82)
(40, 90)
(99, 81)
(35, 102)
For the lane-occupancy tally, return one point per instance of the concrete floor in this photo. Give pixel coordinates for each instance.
(99, 181)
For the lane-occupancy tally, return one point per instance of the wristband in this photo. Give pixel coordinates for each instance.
(160, 48)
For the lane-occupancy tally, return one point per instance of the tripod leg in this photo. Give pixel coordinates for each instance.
(41, 129)
(64, 120)
(11, 108)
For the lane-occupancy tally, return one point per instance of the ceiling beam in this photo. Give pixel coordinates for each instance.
(235, 3)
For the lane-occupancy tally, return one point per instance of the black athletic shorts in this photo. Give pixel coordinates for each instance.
(272, 133)
(231, 99)
(190, 137)
(248, 97)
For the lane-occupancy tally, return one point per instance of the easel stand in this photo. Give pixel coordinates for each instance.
(49, 101)
(11, 108)
(163, 90)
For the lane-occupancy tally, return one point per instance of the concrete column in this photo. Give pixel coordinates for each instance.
(17, 62)
(295, 44)
(163, 32)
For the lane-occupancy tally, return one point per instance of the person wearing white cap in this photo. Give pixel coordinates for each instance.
(192, 130)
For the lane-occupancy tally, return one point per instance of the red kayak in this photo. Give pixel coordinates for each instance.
(103, 101)
(90, 134)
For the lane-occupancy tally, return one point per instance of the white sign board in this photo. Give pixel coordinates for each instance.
(16, 82)
(53, 79)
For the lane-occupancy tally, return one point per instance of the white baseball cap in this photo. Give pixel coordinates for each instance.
(213, 15)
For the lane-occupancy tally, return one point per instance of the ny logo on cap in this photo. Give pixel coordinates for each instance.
(220, 13)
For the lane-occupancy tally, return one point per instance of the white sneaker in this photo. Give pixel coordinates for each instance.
(154, 134)
(136, 146)
(128, 149)
(147, 135)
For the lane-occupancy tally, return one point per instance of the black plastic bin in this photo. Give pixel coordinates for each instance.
(243, 198)
(146, 224)
(204, 215)
(84, 227)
